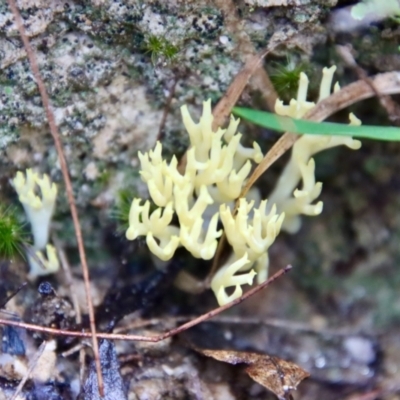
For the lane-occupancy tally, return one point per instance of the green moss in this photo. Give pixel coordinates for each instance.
(104, 177)
(285, 77)
(160, 49)
(12, 233)
(122, 207)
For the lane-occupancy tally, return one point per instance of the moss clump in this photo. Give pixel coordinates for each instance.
(160, 49)
(121, 210)
(120, 213)
(12, 233)
(285, 77)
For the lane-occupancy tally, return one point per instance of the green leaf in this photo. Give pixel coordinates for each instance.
(299, 126)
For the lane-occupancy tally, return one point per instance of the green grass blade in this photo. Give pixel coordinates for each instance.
(299, 126)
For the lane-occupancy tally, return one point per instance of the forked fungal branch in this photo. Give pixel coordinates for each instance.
(216, 171)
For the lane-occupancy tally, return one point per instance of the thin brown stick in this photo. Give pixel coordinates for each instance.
(224, 107)
(240, 320)
(244, 47)
(284, 143)
(130, 357)
(11, 295)
(68, 278)
(155, 338)
(32, 366)
(387, 83)
(71, 200)
(73, 350)
(160, 134)
(216, 263)
(392, 109)
(78, 315)
(219, 310)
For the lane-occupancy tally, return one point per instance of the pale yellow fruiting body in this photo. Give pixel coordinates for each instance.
(216, 170)
(294, 202)
(40, 265)
(250, 239)
(210, 176)
(38, 197)
(154, 226)
(217, 167)
(38, 207)
(226, 277)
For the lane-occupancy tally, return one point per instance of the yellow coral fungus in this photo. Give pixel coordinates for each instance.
(38, 208)
(210, 177)
(38, 196)
(301, 165)
(39, 265)
(216, 170)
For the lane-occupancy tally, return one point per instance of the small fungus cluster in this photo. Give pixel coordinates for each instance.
(38, 196)
(202, 196)
(214, 174)
(290, 200)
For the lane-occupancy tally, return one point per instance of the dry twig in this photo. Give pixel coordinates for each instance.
(155, 338)
(392, 109)
(224, 107)
(288, 325)
(258, 79)
(78, 316)
(32, 366)
(166, 110)
(71, 200)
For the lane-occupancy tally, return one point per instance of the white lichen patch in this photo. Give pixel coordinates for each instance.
(153, 22)
(130, 118)
(29, 150)
(37, 21)
(75, 48)
(41, 15)
(18, 156)
(91, 172)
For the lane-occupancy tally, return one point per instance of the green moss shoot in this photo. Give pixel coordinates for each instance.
(159, 49)
(122, 207)
(285, 78)
(121, 210)
(12, 233)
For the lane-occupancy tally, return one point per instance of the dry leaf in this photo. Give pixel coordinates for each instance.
(277, 375)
